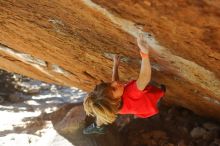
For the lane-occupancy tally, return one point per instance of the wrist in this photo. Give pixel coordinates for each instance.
(144, 55)
(116, 64)
(144, 50)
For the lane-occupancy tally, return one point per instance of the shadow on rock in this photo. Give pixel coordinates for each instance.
(69, 121)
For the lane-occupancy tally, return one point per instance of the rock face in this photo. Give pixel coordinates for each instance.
(69, 122)
(171, 127)
(72, 42)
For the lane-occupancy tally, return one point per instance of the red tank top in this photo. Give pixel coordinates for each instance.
(142, 104)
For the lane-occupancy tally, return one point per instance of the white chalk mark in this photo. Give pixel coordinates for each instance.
(23, 57)
(56, 21)
(56, 68)
(35, 62)
(211, 100)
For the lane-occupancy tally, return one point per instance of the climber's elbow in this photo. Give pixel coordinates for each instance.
(142, 82)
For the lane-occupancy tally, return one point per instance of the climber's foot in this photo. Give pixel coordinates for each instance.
(94, 129)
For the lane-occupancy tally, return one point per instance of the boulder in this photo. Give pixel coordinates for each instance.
(198, 132)
(71, 43)
(69, 121)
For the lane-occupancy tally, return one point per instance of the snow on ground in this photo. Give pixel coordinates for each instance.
(39, 98)
(49, 138)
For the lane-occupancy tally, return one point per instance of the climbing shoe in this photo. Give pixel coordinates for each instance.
(163, 87)
(93, 129)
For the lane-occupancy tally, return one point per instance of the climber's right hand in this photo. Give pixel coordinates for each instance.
(142, 43)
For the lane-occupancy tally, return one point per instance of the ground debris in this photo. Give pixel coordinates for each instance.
(173, 126)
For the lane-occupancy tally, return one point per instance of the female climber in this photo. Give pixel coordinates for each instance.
(137, 97)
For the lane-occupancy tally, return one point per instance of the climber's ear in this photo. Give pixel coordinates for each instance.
(102, 81)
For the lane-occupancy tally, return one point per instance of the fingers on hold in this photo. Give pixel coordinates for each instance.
(141, 35)
(117, 57)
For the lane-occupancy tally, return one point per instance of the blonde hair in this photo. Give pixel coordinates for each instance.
(101, 104)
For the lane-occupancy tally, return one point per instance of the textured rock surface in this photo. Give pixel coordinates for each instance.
(72, 42)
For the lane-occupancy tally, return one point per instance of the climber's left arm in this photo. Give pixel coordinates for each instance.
(115, 76)
(145, 71)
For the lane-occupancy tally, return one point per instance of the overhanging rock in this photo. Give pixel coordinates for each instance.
(72, 43)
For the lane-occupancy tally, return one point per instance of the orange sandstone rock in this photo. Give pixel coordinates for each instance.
(71, 43)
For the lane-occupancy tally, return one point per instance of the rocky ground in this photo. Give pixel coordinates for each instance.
(24, 101)
(174, 126)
